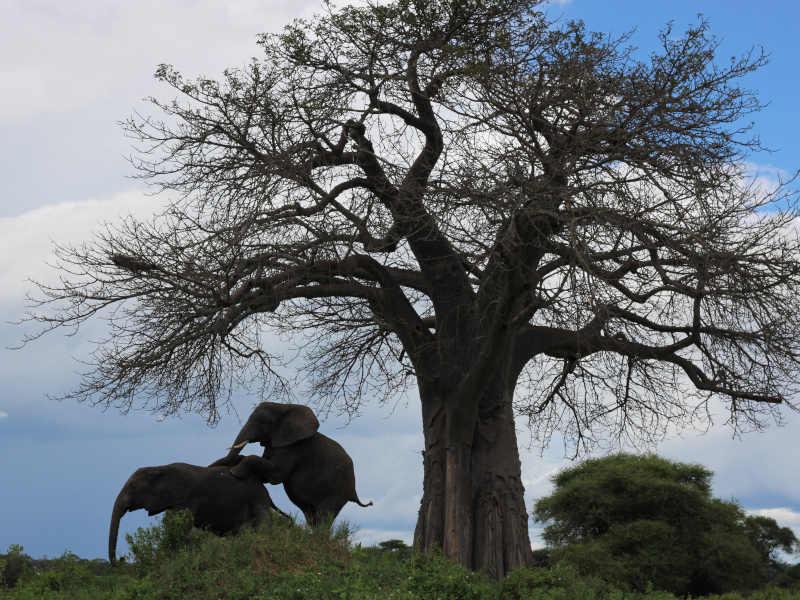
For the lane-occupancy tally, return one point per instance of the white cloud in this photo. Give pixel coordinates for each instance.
(537, 481)
(57, 56)
(785, 517)
(768, 172)
(765, 179)
(26, 240)
(745, 468)
(3, 414)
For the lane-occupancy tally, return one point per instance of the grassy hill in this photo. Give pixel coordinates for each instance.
(282, 561)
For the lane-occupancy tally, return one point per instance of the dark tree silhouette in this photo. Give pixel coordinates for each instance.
(461, 195)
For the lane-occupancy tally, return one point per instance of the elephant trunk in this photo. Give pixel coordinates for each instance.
(120, 508)
(240, 442)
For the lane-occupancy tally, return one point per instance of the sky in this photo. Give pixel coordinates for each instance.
(68, 73)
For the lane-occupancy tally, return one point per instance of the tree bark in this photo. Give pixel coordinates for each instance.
(429, 532)
(473, 505)
(501, 539)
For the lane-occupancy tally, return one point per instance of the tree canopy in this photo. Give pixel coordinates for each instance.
(508, 213)
(641, 520)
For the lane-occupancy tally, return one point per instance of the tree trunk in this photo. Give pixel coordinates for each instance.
(501, 539)
(473, 504)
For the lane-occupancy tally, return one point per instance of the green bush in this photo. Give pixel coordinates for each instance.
(434, 576)
(563, 582)
(640, 521)
(14, 565)
(770, 593)
(789, 577)
(179, 562)
(524, 583)
(70, 577)
(279, 560)
(174, 532)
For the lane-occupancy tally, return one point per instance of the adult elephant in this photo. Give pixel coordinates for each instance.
(221, 499)
(315, 471)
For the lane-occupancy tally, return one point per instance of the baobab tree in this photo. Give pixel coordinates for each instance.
(519, 217)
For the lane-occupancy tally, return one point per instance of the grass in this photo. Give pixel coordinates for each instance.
(282, 561)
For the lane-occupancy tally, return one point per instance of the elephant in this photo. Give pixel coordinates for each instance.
(221, 499)
(315, 471)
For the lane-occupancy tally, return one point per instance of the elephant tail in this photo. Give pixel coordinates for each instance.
(359, 502)
(120, 508)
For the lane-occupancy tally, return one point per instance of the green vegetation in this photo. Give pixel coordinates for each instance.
(282, 561)
(638, 521)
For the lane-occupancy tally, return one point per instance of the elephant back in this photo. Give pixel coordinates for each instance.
(322, 469)
(222, 492)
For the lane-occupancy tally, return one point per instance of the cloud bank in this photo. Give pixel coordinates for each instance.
(100, 46)
(26, 241)
(785, 517)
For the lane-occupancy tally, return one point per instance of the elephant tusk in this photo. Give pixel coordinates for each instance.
(242, 445)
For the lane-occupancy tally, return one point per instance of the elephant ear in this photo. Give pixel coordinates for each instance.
(298, 423)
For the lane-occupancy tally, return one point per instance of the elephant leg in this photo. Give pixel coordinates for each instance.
(327, 510)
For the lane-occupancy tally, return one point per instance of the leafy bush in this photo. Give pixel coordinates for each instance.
(638, 521)
(283, 561)
(174, 532)
(69, 577)
(14, 566)
(563, 582)
(523, 583)
(434, 576)
(788, 576)
(185, 563)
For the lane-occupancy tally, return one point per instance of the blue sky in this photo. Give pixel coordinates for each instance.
(69, 71)
(739, 26)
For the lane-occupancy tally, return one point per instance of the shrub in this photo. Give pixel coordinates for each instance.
(14, 565)
(70, 578)
(642, 520)
(434, 576)
(282, 561)
(173, 533)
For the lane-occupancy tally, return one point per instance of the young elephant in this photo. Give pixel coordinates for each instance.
(315, 470)
(219, 500)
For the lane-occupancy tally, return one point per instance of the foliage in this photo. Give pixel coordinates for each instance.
(587, 498)
(789, 576)
(641, 520)
(769, 537)
(69, 577)
(151, 545)
(198, 566)
(14, 565)
(280, 561)
(398, 548)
